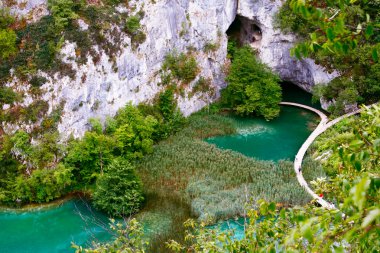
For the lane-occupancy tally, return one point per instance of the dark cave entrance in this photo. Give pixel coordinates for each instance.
(245, 31)
(293, 93)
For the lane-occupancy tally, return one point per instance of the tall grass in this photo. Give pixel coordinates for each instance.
(216, 183)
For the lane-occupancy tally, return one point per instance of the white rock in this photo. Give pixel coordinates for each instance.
(101, 89)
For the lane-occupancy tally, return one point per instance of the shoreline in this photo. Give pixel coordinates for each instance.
(35, 207)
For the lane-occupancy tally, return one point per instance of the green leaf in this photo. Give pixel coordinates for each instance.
(356, 143)
(358, 192)
(371, 216)
(369, 31)
(313, 36)
(330, 34)
(375, 55)
(272, 207)
(358, 165)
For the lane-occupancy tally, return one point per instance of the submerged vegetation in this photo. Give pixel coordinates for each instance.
(216, 183)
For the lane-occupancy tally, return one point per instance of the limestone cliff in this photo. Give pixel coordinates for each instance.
(101, 88)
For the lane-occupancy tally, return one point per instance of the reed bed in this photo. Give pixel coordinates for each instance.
(216, 183)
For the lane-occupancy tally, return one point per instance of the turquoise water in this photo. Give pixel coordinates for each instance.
(274, 140)
(52, 230)
(234, 225)
(270, 140)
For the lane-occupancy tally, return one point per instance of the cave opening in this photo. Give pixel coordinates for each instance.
(245, 31)
(293, 93)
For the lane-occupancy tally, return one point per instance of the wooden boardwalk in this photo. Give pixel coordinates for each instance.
(323, 125)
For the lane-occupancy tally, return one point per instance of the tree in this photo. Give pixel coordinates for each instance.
(118, 191)
(90, 155)
(134, 133)
(252, 87)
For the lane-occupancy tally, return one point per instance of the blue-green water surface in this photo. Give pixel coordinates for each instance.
(270, 140)
(52, 230)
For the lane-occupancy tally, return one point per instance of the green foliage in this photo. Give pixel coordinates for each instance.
(63, 13)
(37, 81)
(7, 43)
(288, 22)
(129, 238)
(118, 191)
(231, 48)
(133, 28)
(90, 155)
(7, 96)
(134, 132)
(252, 87)
(43, 185)
(132, 24)
(340, 35)
(182, 67)
(165, 110)
(203, 85)
(6, 19)
(7, 35)
(342, 90)
(337, 26)
(358, 136)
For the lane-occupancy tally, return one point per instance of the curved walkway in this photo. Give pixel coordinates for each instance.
(323, 125)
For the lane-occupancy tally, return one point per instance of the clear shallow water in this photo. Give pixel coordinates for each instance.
(236, 226)
(270, 140)
(53, 229)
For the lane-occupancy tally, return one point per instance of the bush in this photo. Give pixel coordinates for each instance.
(118, 191)
(63, 13)
(132, 24)
(43, 185)
(7, 43)
(37, 81)
(252, 87)
(7, 96)
(183, 67)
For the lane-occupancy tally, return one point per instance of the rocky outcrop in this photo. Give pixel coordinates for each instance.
(133, 76)
(100, 89)
(274, 46)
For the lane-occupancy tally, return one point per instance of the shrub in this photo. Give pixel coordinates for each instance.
(183, 67)
(132, 24)
(118, 191)
(37, 81)
(7, 96)
(63, 13)
(43, 185)
(7, 43)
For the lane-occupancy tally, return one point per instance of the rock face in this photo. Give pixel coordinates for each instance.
(101, 89)
(258, 29)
